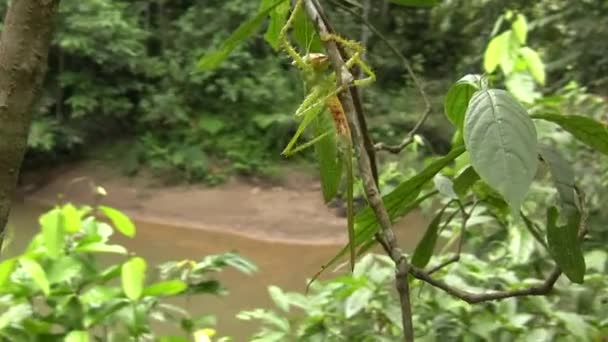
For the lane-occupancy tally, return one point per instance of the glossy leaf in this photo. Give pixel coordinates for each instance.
(77, 336)
(53, 232)
(166, 288)
(520, 27)
(35, 271)
(593, 133)
(426, 246)
(278, 17)
(133, 276)
(501, 140)
(458, 97)
(121, 222)
(244, 31)
(357, 301)
(326, 151)
(534, 64)
(564, 245)
(415, 3)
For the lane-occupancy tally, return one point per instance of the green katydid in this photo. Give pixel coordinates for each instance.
(320, 84)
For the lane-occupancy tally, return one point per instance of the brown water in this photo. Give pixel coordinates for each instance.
(284, 265)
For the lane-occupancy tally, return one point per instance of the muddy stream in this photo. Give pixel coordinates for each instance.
(286, 231)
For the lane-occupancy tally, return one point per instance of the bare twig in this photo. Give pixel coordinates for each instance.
(409, 138)
(344, 77)
(538, 290)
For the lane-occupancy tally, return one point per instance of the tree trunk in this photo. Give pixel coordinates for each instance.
(24, 46)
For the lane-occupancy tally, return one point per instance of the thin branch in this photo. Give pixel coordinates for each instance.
(409, 138)
(344, 78)
(538, 290)
(456, 257)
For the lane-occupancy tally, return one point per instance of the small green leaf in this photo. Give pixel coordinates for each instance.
(6, 269)
(494, 52)
(521, 85)
(53, 232)
(279, 298)
(415, 3)
(593, 133)
(458, 97)
(445, 186)
(100, 247)
(501, 140)
(244, 31)
(120, 221)
(166, 288)
(133, 276)
(464, 180)
(534, 64)
(33, 268)
(426, 246)
(564, 245)
(77, 336)
(72, 219)
(520, 27)
(357, 301)
(278, 17)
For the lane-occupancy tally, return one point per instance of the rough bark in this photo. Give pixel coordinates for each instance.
(24, 46)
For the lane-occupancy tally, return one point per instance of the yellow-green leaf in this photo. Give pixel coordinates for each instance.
(133, 276)
(534, 63)
(35, 271)
(77, 336)
(120, 221)
(520, 27)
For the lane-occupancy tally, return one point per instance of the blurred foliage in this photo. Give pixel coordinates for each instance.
(62, 288)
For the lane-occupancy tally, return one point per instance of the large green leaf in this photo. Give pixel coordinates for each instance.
(426, 246)
(120, 221)
(133, 276)
(305, 34)
(585, 129)
(501, 140)
(564, 245)
(326, 151)
(35, 271)
(415, 3)
(458, 97)
(53, 232)
(244, 31)
(278, 17)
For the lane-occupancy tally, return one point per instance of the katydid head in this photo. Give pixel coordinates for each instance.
(318, 61)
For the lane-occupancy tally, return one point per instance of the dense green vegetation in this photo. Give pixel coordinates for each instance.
(510, 165)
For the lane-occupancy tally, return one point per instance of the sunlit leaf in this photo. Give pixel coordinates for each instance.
(53, 232)
(494, 52)
(133, 276)
(6, 269)
(521, 85)
(564, 245)
(166, 288)
(279, 298)
(244, 31)
(501, 140)
(100, 247)
(35, 271)
(458, 97)
(426, 246)
(534, 64)
(585, 129)
(520, 27)
(357, 301)
(72, 218)
(120, 221)
(77, 336)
